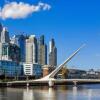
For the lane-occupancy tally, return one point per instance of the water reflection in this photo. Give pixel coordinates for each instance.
(28, 94)
(3, 94)
(74, 93)
(57, 93)
(38, 94)
(51, 94)
(89, 94)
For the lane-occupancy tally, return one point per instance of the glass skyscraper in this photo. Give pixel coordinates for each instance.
(5, 36)
(10, 52)
(19, 40)
(52, 53)
(10, 68)
(42, 51)
(1, 28)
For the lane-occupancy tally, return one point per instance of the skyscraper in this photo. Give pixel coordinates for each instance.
(42, 51)
(5, 36)
(52, 53)
(1, 28)
(0, 51)
(20, 40)
(31, 49)
(10, 52)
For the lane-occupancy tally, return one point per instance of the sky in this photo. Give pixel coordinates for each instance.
(70, 22)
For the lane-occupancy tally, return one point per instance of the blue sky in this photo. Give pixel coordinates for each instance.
(70, 22)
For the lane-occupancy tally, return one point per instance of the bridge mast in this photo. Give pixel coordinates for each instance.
(50, 77)
(53, 73)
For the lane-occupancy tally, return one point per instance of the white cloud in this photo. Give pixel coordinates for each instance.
(16, 10)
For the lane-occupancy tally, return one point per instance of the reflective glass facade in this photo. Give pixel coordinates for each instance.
(32, 70)
(10, 68)
(37, 70)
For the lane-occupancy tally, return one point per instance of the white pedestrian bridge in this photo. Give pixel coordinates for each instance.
(50, 78)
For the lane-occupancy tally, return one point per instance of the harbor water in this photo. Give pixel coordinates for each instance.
(70, 92)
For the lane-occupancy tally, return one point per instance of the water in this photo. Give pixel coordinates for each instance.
(82, 92)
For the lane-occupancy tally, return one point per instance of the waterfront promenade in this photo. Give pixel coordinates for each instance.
(55, 82)
(46, 82)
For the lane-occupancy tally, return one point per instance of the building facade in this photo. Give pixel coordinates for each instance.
(47, 69)
(42, 51)
(0, 51)
(10, 52)
(76, 73)
(52, 53)
(1, 28)
(10, 68)
(5, 36)
(19, 40)
(31, 49)
(32, 70)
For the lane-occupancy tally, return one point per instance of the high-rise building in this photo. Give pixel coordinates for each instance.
(5, 36)
(1, 28)
(10, 52)
(31, 49)
(42, 51)
(20, 40)
(52, 53)
(0, 51)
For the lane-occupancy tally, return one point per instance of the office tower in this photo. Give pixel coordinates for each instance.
(31, 49)
(1, 28)
(52, 53)
(42, 51)
(5, 36)
(10, 52)
(0, 51)
(20, 40)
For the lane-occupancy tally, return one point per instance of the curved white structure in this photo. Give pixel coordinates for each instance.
(53, 73)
